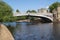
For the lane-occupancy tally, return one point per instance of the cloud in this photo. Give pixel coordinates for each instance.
(47, 7)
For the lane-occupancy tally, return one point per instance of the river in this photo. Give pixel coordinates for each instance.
(34, 31)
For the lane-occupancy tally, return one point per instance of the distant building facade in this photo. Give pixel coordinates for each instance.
(42, 10)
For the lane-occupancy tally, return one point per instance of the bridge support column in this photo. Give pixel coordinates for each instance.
(56, 14)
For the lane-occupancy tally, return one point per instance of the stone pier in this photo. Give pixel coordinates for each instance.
(56, 14)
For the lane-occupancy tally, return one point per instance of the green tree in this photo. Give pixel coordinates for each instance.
(17, 10)
(5, 12)
(28, 11)
(31, 11)
(54, 6)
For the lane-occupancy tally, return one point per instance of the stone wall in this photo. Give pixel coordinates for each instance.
(56, 13)
(5, 33)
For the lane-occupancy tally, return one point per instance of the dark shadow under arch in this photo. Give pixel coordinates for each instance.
(44, 19)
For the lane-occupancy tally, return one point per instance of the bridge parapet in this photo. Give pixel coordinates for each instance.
(19, 14)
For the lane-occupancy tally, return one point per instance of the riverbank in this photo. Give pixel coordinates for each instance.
(26, 20)
(5, 33)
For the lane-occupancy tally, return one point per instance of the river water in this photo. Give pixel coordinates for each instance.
(35, 31)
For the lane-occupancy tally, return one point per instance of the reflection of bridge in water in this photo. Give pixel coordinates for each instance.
(44, 16)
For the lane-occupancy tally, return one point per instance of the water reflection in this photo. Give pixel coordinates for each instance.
(56, 31)
(33, 32)
(11, 26)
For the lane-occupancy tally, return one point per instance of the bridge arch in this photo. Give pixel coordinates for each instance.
(45, 18)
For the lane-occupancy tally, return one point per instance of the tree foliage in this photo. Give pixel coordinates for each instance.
(31, 11)
(6, 13)
(17, 10)
(54, 6)
(28, 11)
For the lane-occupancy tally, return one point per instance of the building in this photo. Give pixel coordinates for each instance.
(42, 10)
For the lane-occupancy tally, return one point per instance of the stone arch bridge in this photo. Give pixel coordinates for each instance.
(44, 16)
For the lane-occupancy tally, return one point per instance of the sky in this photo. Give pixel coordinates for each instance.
(24, 5)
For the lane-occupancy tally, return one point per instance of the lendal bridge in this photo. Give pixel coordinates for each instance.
(44, 16)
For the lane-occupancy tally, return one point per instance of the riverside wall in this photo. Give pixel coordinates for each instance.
(5, 33)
